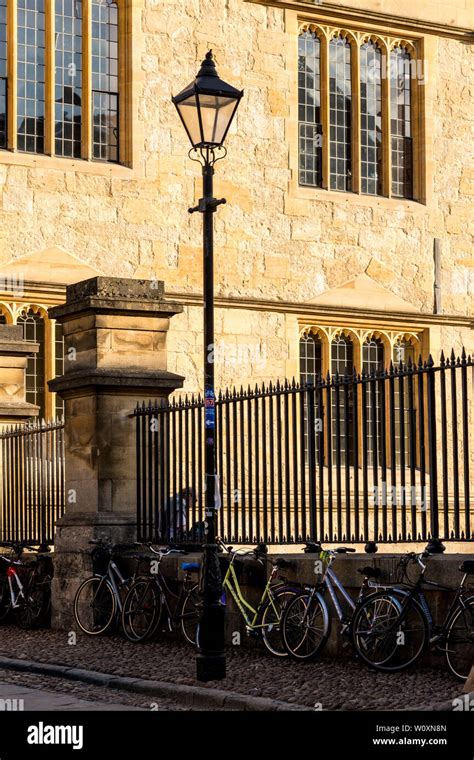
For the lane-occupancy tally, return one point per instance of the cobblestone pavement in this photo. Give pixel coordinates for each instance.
(328, 684)
(40, 692)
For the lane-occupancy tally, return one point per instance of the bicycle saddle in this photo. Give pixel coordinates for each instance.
(312, 548)
(280, 562)
(467, 566)
(344, 550)
(370, 572)
(190, 567)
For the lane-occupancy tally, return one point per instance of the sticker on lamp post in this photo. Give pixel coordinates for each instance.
(210, 409)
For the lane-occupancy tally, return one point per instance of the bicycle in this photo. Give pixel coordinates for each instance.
(98, 600)
(148, 597)
(306, 623)
(266, 617)
(25, 588)
(411, 628)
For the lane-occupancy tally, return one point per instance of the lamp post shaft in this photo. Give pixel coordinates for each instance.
(211, 654)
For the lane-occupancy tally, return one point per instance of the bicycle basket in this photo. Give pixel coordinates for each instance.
(100, 560)
(391, 570)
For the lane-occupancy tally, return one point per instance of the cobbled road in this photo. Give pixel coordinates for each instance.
(326, 684)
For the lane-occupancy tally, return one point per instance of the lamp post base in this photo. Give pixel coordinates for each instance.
(210, 661)
(210, 668)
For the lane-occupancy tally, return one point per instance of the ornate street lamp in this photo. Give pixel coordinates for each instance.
(206, 108)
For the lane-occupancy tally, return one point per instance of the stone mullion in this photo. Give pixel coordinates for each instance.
(386, 125)
(49, 373)
(415, 131)
(358, 368)
(355, 116)
(123, 33)
(12, 31)
(86, 151)
(50, 48)
(325, 109)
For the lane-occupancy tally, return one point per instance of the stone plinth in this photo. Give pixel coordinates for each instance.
(14, 352)
(115, 357)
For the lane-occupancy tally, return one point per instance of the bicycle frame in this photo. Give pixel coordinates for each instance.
(14, 595)
(111, 575)
(331, 580)
(231, 583)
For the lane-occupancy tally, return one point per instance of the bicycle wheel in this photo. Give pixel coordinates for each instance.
(34, 605)
(95, 605)
(4, 598)
(305, 626)
(460, 640)
(190, 614)
(271, 618)
(388, 633)
(141, 610)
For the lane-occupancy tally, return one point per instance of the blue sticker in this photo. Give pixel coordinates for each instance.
(210, 417)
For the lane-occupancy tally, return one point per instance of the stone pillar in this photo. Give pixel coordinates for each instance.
(14, 352)
(115, 356)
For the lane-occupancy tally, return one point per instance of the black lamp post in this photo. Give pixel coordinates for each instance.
(206, 108)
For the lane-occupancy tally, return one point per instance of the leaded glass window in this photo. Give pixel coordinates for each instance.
(342, 363)
(402, 150)
(403, 352)
(373, 362)
(340, 105)
(3, 73)
(68, 83)
(371, 118)
(33, 331)
(105, 99)
(310, 368)
(31, 76)
(58, 363)
(309, 109)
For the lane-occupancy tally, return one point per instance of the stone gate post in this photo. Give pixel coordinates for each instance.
(115, 356)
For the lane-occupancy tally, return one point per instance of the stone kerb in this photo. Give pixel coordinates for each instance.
(115, 357)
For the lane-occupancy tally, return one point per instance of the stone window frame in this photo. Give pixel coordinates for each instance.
(388, 38)
(389, 338)
(127, 17)
(11, 311)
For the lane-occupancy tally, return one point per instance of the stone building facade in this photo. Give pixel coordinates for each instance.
(309, 274)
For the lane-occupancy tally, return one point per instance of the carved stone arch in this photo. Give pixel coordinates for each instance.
(404, 44)
(349, 333)
(410, 337)
(346, 34)
(7, 312)
(384, 338)
(379, 42)
(315, 330)
(308, 26)
(34, 307)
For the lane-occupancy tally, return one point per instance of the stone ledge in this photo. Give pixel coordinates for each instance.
(113, 378)
(115, 295)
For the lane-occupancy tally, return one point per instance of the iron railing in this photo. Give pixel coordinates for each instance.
(33, 485)
(385, 456)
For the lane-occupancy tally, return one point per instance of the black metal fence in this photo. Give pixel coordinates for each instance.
(386, 456)
(32, 475)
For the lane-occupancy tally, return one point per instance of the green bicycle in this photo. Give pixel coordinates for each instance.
(264, 619)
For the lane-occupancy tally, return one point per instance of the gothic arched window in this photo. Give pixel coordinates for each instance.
(371, 118)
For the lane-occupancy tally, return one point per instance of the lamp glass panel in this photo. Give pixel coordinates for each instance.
(189, 113)
(216, 115)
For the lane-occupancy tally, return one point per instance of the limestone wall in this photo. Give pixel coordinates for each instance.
(272, 241)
